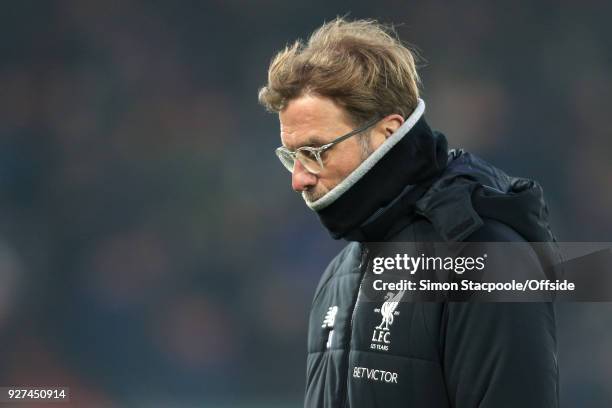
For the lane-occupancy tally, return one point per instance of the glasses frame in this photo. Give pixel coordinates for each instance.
(317, 151)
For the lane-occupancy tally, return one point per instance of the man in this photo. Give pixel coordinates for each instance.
(363, 157)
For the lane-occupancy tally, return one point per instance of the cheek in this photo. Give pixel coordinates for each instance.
(344, 166)
(341, 163)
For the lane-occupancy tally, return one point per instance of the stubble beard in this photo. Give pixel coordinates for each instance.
(310, 196)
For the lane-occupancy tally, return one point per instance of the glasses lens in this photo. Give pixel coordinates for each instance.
(286, 158)
(309, 160)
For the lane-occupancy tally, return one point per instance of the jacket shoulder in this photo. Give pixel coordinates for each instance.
(495, 231)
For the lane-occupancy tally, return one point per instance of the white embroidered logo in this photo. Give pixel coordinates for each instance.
(328, 323)
(381, 337)
(374, 374)
(387, 310)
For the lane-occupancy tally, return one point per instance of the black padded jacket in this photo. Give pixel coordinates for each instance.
(434, 354)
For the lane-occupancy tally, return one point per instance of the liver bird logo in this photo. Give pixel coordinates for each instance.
(388, 308)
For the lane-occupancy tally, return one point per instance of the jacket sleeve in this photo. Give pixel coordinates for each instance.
(498, 355)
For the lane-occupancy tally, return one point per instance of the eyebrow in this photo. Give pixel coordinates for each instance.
(314, 141)
(311, 141)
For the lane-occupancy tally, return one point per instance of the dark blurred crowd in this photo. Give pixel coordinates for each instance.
(152, 252)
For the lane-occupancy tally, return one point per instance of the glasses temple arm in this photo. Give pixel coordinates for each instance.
(353, 133)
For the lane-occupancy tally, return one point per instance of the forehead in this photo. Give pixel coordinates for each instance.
(311, 118)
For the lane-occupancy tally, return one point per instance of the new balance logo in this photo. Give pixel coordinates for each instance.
(328, 323)
(330, 317)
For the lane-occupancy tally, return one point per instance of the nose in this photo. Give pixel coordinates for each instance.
(301, 179)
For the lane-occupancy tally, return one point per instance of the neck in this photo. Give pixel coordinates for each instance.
(389, 179)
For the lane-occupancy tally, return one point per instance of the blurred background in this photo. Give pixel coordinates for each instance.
(152, 252)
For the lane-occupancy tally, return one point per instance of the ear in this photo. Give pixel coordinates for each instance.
(391, 123)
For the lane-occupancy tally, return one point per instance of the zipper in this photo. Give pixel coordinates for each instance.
(362, 270)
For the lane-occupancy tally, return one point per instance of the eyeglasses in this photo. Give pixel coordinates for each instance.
(310, 157)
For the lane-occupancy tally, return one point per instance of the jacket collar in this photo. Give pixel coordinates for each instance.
(387, 184)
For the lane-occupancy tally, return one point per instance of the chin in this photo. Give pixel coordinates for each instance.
(311, 197)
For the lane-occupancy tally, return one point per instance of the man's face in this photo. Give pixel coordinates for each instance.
(312, 120)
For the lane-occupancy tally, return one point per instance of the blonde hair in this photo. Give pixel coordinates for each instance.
(362, 65)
